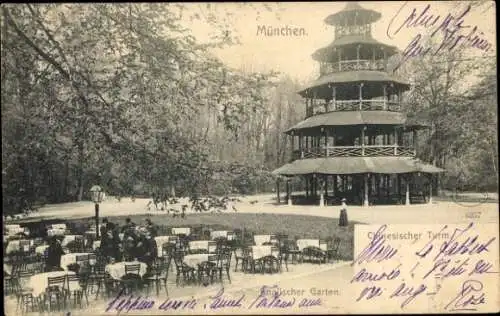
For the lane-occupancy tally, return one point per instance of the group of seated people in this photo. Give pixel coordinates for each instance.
(137, 243)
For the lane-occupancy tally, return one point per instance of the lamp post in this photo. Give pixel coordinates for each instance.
(97, 196)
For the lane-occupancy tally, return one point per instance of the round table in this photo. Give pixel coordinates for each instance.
(41, 249)
(195, 259)
(160, 241)
(69, 238)
(70, 258)
(15, 245)
(304, 243)
(56, 232)
(261, 252)
(198, 245)
(39, 282)
(117, 270)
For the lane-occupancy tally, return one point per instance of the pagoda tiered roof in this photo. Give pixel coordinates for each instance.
(352, 118)
(329, 52)
(350, 10)
(356, 165)
(351, 77)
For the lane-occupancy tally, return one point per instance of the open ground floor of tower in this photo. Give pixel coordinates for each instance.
(357, 189)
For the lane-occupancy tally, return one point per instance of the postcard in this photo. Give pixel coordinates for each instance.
(250, 158)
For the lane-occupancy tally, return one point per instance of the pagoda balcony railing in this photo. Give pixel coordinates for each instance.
(357, 105)
(354, 151)
(352, 65)
(353, 30)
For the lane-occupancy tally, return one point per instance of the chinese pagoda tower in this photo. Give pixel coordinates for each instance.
(354, 142)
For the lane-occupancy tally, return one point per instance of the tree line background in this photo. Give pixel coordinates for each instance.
(123, 96)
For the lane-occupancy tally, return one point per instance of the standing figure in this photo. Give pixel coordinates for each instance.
(343, 214)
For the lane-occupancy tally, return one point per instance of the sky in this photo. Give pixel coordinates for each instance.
(292, 54)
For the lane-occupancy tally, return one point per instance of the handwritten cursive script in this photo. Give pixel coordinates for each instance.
(376, 250)
(454, 33)
(469, 296)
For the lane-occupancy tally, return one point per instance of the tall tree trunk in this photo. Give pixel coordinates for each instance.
(81, 158)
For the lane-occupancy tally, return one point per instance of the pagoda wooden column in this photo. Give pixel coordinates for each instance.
(384, 87)
(322, 196)
(407, 199)
(366, 202)
(326, 185)
(293, 144)
(395, 141)
(335, 187)
(357, 56)
(340, 59)
(398, 186)
(387, 186)
(288, 193)
(301, 150)
(334, 98)
(278, 190)
(363, 140)
(327, 149)
(307, 185)
(360, 95)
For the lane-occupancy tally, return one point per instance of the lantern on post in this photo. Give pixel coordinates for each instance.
(97, 195)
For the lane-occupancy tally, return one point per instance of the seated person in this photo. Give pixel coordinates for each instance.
(129, 227)
(153, 230)
(146, 250)
(54, 253)
(129, 245)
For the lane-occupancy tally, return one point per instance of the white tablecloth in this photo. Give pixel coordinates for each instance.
(69, 238)
(218, 234)
(195, 259)
(96, 244)
(41, 249)
(181, 230)
(56, 232)
(303, 243)
(261, 239)
(7, 269)
(160, 241)
(198, 244)
(58, 226)
(13, 229)
(70, 258)
(117, 270)
(14, 245)
(39, 282)
(261, 251)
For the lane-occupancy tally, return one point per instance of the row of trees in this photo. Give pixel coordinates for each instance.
(122, 95)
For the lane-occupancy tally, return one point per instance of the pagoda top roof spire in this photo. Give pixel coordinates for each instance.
(352, 9)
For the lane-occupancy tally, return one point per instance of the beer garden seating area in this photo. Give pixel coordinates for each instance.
(193, 255)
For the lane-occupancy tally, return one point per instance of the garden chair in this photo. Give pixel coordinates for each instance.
(208, 269)
(241, 254)
(159, 275)
(131, 281)
(55, 294)
(184, 272)
(24, 296)
(224, 263)
(77, 293)
(333, 251)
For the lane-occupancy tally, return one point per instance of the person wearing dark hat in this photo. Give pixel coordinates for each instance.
(343, 214)
(151, 228)
(54, 254)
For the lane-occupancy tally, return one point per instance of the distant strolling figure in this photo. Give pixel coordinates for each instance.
(343, 214)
